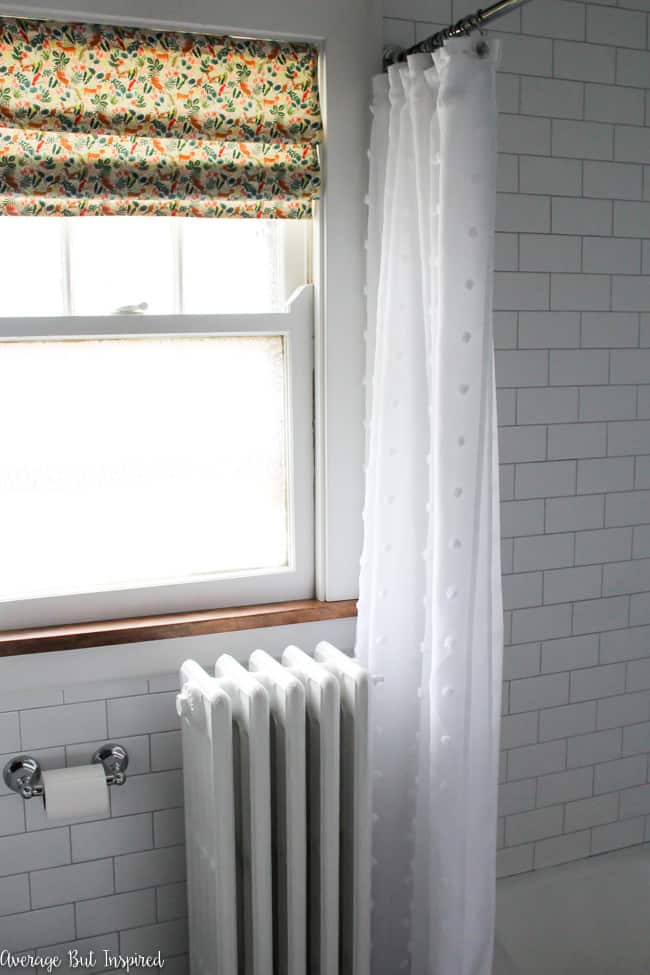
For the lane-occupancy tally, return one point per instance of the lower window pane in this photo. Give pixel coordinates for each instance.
(141, 460)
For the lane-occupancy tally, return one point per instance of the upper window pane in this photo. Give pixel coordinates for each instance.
(32, 267)
(231, 266)
(110, 265)
(120, 263)
(142, 460)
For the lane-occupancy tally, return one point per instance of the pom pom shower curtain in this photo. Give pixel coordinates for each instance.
(430, 614)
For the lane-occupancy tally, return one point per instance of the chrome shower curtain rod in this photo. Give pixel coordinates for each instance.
(464, 26)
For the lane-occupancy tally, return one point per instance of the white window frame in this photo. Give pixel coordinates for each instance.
(296, 580)
(348, 35)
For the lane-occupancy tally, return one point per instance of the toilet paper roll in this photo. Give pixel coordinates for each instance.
(72, 793)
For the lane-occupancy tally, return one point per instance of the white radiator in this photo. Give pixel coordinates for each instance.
(277, 809)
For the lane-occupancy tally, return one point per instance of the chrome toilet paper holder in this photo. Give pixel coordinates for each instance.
(22, 773)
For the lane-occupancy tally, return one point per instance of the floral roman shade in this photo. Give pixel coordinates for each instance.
(99, 120)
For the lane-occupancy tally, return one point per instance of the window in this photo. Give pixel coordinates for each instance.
(156, 344)
(159, 384)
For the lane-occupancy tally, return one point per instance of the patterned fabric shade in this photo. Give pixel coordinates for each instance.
(99, 120)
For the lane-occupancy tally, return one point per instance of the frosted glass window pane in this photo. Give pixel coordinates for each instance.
(231, 266)
(121, 261)
(32, 266)
(141, 460)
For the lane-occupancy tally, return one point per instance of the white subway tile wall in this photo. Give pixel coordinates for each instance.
(572, 327)
(572, 332)
(117, 883)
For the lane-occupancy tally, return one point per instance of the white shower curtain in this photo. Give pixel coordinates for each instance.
(430, 617)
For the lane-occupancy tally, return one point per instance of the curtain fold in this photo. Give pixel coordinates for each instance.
(430, 618)
(120, 120)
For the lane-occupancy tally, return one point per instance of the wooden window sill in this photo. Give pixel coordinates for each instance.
(138, 629)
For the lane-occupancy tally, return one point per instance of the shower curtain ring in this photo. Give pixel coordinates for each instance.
(482, 45)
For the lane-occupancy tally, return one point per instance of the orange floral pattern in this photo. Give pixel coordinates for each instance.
(117, 120)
